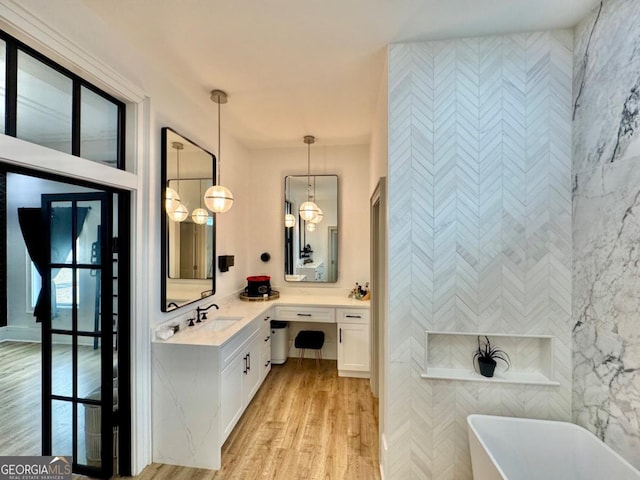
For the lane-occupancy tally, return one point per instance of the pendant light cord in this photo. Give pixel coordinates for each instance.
(219, 147)
(308, 171)
(178, 167)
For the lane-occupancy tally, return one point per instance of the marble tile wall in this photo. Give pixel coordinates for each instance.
(606, 226)
(479, 231)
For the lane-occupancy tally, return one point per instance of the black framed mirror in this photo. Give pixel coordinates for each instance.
(311, 246)
(188, 227)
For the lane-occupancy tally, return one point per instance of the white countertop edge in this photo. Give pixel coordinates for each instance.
(232, 306)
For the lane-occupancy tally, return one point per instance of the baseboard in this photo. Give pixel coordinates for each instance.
(32, 335)
(21, 334)
(353, 374)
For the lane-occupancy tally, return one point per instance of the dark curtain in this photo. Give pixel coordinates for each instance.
(31, 227)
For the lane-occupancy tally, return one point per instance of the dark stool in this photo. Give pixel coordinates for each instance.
(311, 339)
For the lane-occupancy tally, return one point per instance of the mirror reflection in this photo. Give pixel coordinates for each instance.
(311, 244)
(189, 227)
(190, 241)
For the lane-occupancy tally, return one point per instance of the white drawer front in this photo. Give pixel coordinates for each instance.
(235, 343)
(305, 314)
(352, 315)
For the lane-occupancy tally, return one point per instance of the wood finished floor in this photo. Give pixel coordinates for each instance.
(21, 397)
(304, 423)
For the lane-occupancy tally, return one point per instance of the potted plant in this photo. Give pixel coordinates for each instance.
(486, 354)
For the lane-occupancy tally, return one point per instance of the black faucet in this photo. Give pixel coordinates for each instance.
(201, 313)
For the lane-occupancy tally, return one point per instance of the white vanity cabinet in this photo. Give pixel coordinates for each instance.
(231, 398)
(203, 378)
(242, 371)
(353, 342)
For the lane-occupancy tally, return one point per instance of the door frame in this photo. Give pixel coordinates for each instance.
(333, 253)
(379, 287)
(125, 307)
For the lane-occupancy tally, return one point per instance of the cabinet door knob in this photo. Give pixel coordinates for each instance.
(267, 364)
(267, 339)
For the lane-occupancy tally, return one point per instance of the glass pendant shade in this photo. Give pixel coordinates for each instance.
(308, 210)
(180, 214)
(200, 216)
(318, 218)
(218, 199)
(171, 199)
(311, 227)
(289, 220)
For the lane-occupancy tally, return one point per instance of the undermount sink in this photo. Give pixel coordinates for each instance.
(221, 323)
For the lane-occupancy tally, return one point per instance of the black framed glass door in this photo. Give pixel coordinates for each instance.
(79, 340)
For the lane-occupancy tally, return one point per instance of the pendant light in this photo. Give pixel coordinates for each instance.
(318, 218)
(200, 215)
(217, 198)
(308, 210)
(180, 213)
(289, 220)
(171, 199)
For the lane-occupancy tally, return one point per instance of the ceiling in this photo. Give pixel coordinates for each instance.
(298, 67)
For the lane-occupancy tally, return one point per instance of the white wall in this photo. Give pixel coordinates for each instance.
(379, 153)
(266, 211)
(479, 232)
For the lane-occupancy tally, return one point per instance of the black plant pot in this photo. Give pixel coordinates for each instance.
(487, 366)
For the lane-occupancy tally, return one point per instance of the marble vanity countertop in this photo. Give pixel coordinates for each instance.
(244, 312)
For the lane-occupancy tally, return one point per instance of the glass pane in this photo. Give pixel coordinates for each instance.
(89, 432)
(62, 365)
(62, 298)
(89, 367)
(3, 82)
(98, 128)
(61, 233)
(89, 301)
(61, 428)
(44, 104)
(88, 219)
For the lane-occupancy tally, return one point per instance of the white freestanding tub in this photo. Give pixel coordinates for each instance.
(525, 449)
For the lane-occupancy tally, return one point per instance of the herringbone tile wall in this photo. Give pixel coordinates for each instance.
(479, 231)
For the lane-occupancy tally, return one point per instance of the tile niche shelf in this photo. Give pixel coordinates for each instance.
(448, 356)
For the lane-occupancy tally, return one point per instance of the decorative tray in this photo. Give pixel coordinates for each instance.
(274, 294)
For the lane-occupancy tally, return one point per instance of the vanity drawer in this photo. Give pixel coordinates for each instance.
(305, 314)
(352, 315)
(235, 344)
